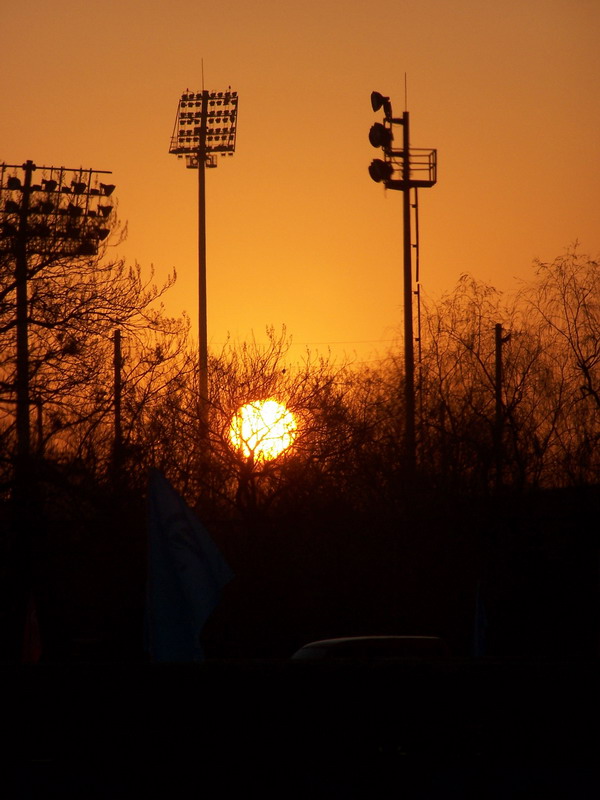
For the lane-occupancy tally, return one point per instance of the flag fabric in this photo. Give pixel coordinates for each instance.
(186, 574)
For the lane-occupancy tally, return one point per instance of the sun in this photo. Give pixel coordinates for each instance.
(263, 429)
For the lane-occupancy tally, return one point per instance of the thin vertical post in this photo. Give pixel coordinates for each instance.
(409, 358)
(20, 579)
(202, 310)
(118, 442)
(417, 293)
(22, 320)
(499, 415)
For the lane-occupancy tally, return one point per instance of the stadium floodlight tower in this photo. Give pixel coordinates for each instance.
(205, 127)
(404, 169)
(62, 214)
(48, 215)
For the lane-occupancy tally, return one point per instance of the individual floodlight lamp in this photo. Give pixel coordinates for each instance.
(380, 101)
(381, 136)
(380, 170)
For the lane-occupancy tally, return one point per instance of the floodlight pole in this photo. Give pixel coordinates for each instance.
(202, 303)
(418, 169)
(22, 376)
(212, 132)
(54, 229)
(409, 353)
(27, 241)
(25, 495)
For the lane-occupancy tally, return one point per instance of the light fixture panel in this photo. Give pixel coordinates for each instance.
(52, 214)
(213, 108)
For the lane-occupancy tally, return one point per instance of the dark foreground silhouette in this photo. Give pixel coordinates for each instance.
(409, 727)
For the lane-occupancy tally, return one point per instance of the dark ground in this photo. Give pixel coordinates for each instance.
(415, 729)
(94, 719)
(533, 562)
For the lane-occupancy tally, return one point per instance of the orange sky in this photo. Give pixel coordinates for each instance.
(298, 234)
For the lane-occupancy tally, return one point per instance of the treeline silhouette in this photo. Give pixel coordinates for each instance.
(333, 537)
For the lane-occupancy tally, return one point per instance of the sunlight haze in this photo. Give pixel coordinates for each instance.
(297, 233)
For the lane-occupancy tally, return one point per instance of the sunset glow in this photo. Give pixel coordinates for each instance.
(297, 232)
(263, 429)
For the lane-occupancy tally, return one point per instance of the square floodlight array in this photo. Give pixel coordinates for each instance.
(62, 212)
(206, 123)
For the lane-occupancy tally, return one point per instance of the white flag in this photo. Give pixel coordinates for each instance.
(186, 573)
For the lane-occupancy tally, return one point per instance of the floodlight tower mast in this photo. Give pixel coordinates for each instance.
(60, 215)
(48, 214)
(205, 126)
(416, 167)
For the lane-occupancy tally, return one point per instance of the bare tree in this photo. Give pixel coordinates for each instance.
(333, 434)
(563, 303)
(457, 384)
(74, 305)
(550, 384)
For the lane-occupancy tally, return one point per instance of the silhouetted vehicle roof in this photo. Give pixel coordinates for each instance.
(374, 647)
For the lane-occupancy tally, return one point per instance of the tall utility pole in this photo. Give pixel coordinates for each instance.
(205, 126)
(417, 167)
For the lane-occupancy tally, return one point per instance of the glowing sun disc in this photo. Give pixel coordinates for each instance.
(263, 429)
